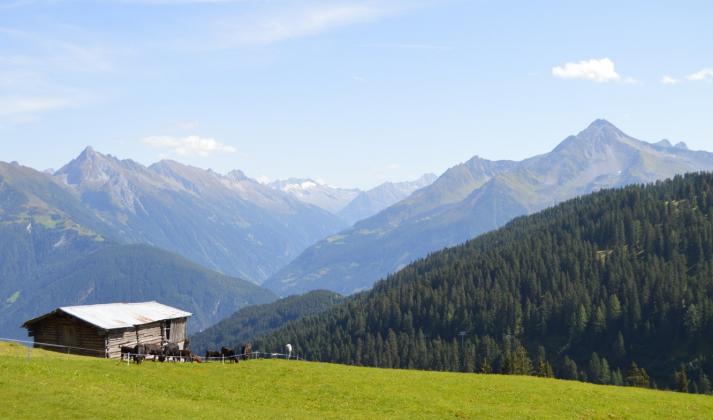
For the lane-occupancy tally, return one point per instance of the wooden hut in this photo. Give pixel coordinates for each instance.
(101, 330)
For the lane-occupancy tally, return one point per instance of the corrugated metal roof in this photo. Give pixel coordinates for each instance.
(110, 316)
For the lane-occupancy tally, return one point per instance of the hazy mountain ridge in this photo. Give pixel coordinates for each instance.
(229, 223)
(478, 196)
(371, 202)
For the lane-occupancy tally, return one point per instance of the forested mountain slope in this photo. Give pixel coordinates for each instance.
(582, 290)
(253, 321)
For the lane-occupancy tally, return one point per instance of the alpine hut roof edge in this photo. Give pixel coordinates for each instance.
(110, 316)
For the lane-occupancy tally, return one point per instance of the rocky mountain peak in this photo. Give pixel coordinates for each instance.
(89, 167)
(601, 130)
(664, 143)
(237, 175)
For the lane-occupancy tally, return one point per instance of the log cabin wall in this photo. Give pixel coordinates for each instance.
(65, 330)
(178, 331)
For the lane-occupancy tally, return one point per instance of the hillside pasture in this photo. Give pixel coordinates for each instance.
(56, 385)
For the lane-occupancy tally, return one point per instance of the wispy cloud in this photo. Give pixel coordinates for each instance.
(59, 53)
(597, 70)
(173, 2)
(188, 146)
(6, 4)
(266, 24)
(32, 104)
(668, 80)
(409, 46)
(296, 23)
(38, 73)
(704, 74)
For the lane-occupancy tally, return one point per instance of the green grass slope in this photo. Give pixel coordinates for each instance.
(54, 385)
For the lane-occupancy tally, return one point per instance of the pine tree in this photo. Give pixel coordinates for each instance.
(704, 384)
(681, 379)
(605, 372)
(618, 348)
(485, 366)
(617, 378)
(599, 322)
(569, 369)
(637, 376)
(692, 319)
(595, 368)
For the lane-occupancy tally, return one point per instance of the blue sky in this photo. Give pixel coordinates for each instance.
(349, 91)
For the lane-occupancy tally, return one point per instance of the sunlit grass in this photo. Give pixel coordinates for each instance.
(55, 385)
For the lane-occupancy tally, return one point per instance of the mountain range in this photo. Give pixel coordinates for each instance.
(316, 193)
(55, 251)
(351, 204)
(229, 223)
(104, 229)
(478, 196)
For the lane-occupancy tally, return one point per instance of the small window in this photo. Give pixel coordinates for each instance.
(168, 330)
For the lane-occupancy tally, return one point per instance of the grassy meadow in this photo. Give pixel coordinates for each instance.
(54, 385)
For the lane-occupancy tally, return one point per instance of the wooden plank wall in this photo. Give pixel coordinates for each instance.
(69, 331)
(178, 331)
(145, 334)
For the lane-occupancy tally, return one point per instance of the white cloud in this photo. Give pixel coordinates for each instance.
(188, 146)
(597, 70)
(668, 80)
(705, 74)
